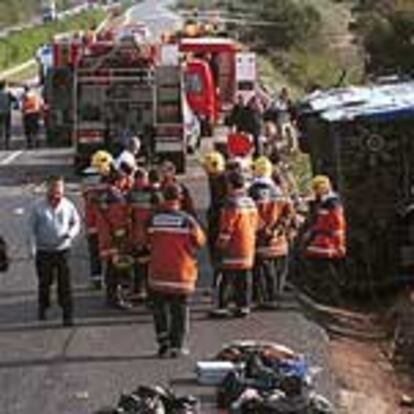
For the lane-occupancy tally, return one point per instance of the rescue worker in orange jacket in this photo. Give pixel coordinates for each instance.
(93, 184)
(174, 236)
(141, 203)
(236, 243)
(275, 219)
(168, 176)
(113, 225)
(31, 111)
(324, 240)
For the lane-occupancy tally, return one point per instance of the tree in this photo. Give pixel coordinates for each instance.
(387, 31)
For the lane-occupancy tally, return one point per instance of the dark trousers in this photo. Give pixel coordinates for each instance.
(234, 284)
(50, 266)
(141, 276)
(5, 129)
(116, 281)
(171, 318)
(31, 128)
(95, 263)
(269, 278)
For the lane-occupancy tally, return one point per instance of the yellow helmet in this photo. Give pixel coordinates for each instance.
(262, 167)
(214, 162)
(102, 160)
(321, 183)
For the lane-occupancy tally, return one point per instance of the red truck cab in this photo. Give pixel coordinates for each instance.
(201, 94)
(210, 76)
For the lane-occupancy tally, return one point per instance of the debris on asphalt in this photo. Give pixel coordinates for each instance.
(262, 377)
(153, 400)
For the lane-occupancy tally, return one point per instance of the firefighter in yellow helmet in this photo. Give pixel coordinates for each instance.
(262, 167)
(215, 165)
(324, 241)
(321, 184)
(93, 184)
(276, 215)
(102, 161)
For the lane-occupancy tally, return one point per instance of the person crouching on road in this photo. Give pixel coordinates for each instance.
(54, 224)
(236, 243)
(174, 236)
(323, 243)
(276, 214)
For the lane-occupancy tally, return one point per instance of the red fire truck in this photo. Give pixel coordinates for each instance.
(102, 89)
(217, 70)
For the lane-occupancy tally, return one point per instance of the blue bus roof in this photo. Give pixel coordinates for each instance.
(381, 102)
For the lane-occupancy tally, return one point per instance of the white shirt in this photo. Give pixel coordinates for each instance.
(53, 229)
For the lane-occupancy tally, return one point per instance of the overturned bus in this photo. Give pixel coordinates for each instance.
(363, 138)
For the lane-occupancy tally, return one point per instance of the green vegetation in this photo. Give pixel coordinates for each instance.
(302, 43)
(20, 11)
(386, 29)
(19, 47)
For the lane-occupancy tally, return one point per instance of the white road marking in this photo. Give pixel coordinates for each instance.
(9, 159)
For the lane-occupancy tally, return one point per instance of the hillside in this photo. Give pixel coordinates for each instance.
(20, 11)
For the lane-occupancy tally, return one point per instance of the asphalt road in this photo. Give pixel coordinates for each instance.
(47, 369)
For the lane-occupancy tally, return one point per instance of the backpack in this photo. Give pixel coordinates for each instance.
(4, 259)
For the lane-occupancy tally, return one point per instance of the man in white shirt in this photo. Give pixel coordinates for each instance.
(54, 224)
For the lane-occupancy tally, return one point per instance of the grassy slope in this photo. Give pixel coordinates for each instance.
(21, 46)
(20, 11)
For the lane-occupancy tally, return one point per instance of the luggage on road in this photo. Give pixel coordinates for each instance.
(153, 400)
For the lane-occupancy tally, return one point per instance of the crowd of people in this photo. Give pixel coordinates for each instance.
(144, 229)
(270, 123)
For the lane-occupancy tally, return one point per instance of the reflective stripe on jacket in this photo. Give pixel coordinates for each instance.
(327, 232)
(174, 237)
(238, 226)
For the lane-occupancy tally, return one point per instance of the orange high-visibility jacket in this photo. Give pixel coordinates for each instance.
(140, 209)
(90, 195)
(238, 226)
(31, 104)
(174, 237)
(327, 230)
(125, 183)
(275, 215)
(112, 222)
